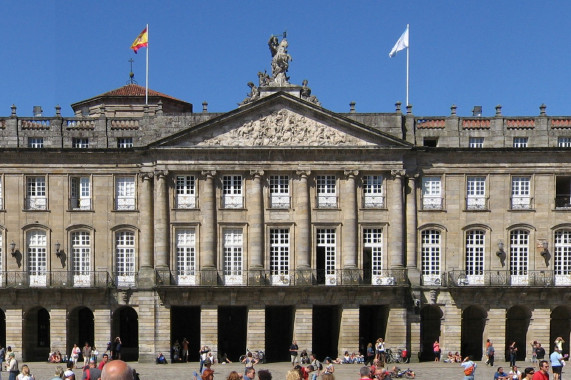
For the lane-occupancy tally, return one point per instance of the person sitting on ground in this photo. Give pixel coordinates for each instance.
(293, 374)
(304, 359)
(161, 359)
(117, 370)
(303, 373)
(500, 374)
(451, 358)
(329, 368)
(458, 357)
(346, 358)
(264, 374)
(25, 374)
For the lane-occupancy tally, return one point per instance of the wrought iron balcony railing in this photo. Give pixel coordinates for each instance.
(55, 279)
(541, 278)
(298, 277)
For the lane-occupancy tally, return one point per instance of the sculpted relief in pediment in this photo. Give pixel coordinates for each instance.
(283, 128)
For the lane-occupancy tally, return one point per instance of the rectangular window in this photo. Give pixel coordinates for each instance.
(475, 244)
(430, 142)
(80, 198)
(185, 191)
(430, 245)
(520, 142)
(35, 142)
(279, 191)
(476, 142)
(326, 256)
(562, 262)
(37, 258)
(326, 191)
(233, 245)
(279, 256)
(373, 256)
(124, 193)
(432, 193)
(186, 256)
(563, 192)
(373, 191)
(81, 258)
(476, 193)
(80, 142)
(521, 199)
(125, 258)
(519, 253)
(36, 198)
(124, 142)
(232, 191)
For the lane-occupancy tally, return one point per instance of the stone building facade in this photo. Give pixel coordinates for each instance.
(281, 220)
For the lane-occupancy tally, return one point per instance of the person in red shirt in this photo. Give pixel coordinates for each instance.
(104, 360)
(543, 373)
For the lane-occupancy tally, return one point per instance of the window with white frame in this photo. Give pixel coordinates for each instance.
(431, 250)
(232, 191)
(373, 196)
(562, 262)
(233, 246)
(35, 142)
(431, 193)
(373, 246)
(125, 258)
(124, 142)
(279, 255)
(476, 193)
(185, 191)
(564, 142)
(80, 142)
(36, 193)
(279, 191)
(327, 250)
(125, 193)
(521, 190)
(80, 198)
(476, 142)
(81, 257)
(475, 246)
(520, 142)
(519, 256)
(326, 191)
(186, 255)
(37, 257)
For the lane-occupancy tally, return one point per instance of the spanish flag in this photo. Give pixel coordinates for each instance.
(142, 40)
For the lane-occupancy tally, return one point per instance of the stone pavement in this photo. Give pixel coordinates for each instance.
(426, 370)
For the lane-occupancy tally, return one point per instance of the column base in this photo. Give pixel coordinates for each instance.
(209, 276)
(256, 276)
(413, 276)
(303, 276)
(351, 276)
(146, 278)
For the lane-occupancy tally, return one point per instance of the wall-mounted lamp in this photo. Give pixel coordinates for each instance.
(13, 248)
(545, 250)
(58, 252)
(500, 251)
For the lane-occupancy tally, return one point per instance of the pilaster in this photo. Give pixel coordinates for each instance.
(256, 337)
(209, 328)
(58, 329)
(349, 209)
(208, 229)
(396, 251)
(396, 332)
(303, 327)
(14, 334)
(146, 319)
(349, 329)
(495, 330)
(161, 220)
(539, 329)
(146, 277)
(451, 328)
(411, 232)
(102, 328)
(303, 221)
(162, 328)
(256, 220)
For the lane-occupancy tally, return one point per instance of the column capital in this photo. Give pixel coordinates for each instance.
(208, 173)
(256, 172)
(146, 176)
(351, 173)
(161, 174)
(398, 173)
(303, 173)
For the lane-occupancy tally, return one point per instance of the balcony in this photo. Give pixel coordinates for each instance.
(299, 277)
(430, 203)
(56, 279)
(79, 204)
(521, 203)
(36, 203)
(373, 201)
(326, 201)
(537, 278)
(185, 201)
(476, 203)
(280, 201)
(563, 202)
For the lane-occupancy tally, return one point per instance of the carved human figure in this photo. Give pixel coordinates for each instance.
(280, 63)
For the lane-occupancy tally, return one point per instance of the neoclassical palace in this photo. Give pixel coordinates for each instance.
(281, 220)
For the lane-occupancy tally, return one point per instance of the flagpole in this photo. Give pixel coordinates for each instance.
(147, 70)
(407, 63)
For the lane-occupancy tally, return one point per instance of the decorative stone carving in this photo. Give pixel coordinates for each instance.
(280, 61)
(283, 128)
(253, 95)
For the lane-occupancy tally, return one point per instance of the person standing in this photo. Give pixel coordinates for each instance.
(542, 373)
(469, 368)
(86, 352)
(293, 352)
(25, 375)
(539, 352)
(12, 366)
(436, 349)
(91, 372)
(490, 353)
(556, 363)
(513, 353)
(75, 351)
(185, 344)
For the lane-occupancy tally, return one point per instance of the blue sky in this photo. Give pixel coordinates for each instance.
(513, 53)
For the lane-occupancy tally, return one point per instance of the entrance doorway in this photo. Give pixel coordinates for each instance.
(325, 331)
(430, 317)
(279, 332)
(80, 328)
(517, 323)
(473, 322)
(559, 327)
(126, 326)
(232, 329)
(372, 324)
(185, 323)
(36, 340)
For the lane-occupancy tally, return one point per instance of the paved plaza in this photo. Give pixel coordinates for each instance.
(426, 370)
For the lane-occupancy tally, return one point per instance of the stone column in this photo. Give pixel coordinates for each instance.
(451, 328)
(146, 319)
(302, 208)
(539, 329)
(14, 324)
(256, 337)
(396, 332)
(208, 229)
(411, 233)
(349, 329)
(161, 220)
(415, 342)
(303, 326)
(495, 330)
(162, 328)
(146, 273)
(58, 328)
(209, 328)
(102, 328)
(349, 209)
(396, 252)
(256, 221)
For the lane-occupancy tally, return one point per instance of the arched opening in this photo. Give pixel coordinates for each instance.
(560, 326)
(2, 328)
(473, 322)
(517, 323)
(185, 323)
(279, 332)
(232, 329)
(36, 339)
(80, 328)
(126, 326)
(430, 317)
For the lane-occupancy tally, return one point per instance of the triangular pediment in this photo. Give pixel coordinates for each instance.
(280, 122)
